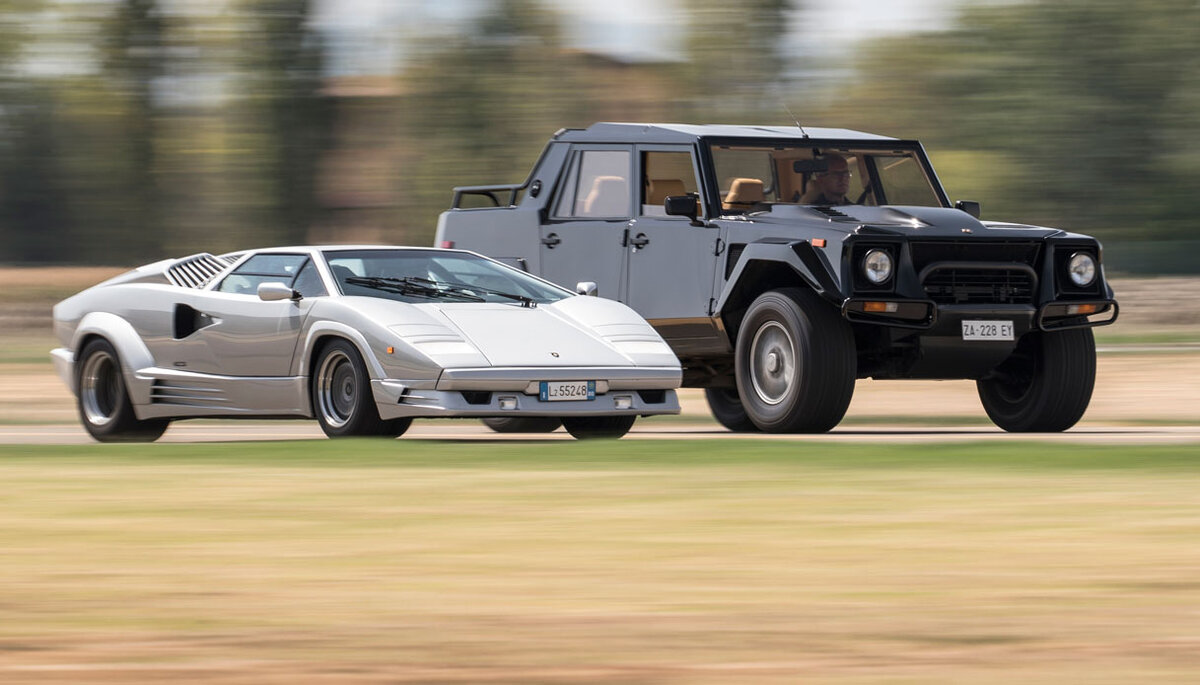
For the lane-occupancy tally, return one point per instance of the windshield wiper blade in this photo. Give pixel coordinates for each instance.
(470, 290)
(422, 287)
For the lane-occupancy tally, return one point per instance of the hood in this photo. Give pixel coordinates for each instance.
(926, 222)
(510, 335)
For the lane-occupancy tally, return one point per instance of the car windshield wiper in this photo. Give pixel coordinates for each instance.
(421, 287)
(470, 290)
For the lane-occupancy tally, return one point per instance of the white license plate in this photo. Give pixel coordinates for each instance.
(566, 391)
(987, 330)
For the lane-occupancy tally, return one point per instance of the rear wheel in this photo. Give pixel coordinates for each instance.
(103, 400)
(795, 363)
(727, 409)
(593, 427)
(522, 424)
(342, 397)
(1045, 385)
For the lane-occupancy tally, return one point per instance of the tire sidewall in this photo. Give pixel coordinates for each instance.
(363, 418)
(771, 308)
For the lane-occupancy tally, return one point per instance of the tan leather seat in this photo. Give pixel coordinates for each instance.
(662, 188)
(609, 196)
(744, 193)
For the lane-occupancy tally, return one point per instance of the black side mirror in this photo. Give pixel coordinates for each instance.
(810, 166)
(683, 205)
(969, 207)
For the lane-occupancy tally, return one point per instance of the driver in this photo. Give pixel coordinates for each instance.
(833, 183)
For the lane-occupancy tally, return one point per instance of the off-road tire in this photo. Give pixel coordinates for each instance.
(598, 427)
(1045, 385)
(795, 362)
(726, 407)
(103, 399)
(522, 424)
(341, 395)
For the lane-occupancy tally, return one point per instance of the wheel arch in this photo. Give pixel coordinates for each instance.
(132, 352)
(769, 265)
(322, 333)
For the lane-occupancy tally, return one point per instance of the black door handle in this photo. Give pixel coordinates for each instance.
(551, 240)
(640, 240)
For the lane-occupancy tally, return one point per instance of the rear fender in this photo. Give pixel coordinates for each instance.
(131, 350)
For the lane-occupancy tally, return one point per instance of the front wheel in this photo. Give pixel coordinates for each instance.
(522, 424)
(1045, 385)
(342, 398)
(593, 427)
(103, 399)
(795, 362)
(727, 409)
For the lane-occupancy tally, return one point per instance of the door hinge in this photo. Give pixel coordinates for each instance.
(719, 247)
(712, 305)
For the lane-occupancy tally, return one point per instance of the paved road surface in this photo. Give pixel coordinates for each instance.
(184, 432)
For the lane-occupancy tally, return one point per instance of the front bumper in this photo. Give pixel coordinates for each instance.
(928, 315)
(486, 392)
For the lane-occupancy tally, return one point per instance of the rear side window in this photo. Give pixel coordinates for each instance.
(263, 268)
(597, 186)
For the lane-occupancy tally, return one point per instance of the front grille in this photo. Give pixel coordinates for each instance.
(926, 252)
(965, 285)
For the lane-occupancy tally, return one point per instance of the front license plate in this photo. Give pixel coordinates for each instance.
(987, 330)
(567, 391)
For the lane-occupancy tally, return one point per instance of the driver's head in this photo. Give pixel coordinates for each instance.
(835, 181)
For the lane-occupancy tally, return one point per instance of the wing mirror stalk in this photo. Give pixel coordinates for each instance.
(275, 291)
(684, 205)
(969, 207)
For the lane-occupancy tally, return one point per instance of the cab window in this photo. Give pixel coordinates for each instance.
(666, 174)
(597, 185)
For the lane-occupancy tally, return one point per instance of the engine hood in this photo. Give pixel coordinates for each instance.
(509, 335)
(927, 222)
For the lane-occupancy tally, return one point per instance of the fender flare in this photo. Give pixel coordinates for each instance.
(324, 328)
(805, 261)
(131, 351)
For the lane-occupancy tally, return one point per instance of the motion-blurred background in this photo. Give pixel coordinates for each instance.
(137, 129)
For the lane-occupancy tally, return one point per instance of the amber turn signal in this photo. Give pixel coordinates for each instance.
(818, 242)
(880, 307)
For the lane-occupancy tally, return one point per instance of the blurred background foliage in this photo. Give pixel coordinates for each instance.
(137, 129)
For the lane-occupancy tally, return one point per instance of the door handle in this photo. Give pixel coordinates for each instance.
(639, 241)
(551, 240)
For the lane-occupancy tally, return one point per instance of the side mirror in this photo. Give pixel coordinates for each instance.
(683, 205)
(586, 288)
(969, 207)
(810, 166)
(275, 291)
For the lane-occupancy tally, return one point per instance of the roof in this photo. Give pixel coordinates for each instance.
(608, 132)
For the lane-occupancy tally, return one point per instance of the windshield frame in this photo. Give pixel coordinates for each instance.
(843, 146)
(536, 290)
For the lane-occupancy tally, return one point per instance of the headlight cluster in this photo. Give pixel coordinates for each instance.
(1081, 267)
(877, 266)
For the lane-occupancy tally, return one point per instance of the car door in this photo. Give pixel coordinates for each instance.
(672, 263)
(238, 334)
(584, 236)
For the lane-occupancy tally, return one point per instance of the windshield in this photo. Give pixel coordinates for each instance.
(755, 173)
(427, 275)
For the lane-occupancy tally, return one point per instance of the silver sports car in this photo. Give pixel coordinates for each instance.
(363, 338)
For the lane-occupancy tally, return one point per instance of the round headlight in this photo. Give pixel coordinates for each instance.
(877, 266)
(1082, 269)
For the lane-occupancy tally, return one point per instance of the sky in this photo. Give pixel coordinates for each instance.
(370, 34)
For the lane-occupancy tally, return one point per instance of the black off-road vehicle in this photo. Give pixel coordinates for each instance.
(782, 264)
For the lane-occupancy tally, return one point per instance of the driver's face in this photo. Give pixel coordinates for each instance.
(835, 182)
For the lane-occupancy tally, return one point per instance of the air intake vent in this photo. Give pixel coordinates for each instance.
(195, 271)
(189, 395)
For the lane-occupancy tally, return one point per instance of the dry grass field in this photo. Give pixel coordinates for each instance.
(628, 562)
